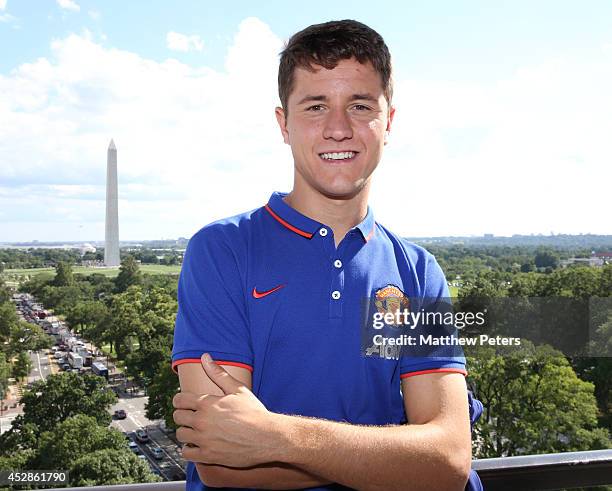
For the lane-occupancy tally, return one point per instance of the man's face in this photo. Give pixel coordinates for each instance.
(334, 114)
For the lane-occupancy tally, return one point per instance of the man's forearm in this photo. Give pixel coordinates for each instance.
(266, 476)
(406, 457)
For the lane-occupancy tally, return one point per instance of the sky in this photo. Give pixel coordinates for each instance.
(503, 117)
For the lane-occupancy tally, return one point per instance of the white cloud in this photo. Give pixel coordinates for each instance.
(177, 129)
(69, 5)
(94, 14)
(527, 154)
(5, 17)
(182, 42)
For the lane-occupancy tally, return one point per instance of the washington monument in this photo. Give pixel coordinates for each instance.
(111, 237)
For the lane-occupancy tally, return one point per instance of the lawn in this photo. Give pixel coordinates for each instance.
(111, 272)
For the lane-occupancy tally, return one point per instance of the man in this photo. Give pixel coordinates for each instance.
(274, 297)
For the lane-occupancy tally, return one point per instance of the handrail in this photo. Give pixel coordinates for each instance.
(546, 471)
(525, 472)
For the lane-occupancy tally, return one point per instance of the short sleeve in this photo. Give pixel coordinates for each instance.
(434, 298)
(212, 315)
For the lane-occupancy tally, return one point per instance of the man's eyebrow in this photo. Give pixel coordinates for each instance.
(323, 98)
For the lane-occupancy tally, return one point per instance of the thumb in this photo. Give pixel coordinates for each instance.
(219, 376)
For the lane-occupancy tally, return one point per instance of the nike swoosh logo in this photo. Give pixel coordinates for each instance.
(257, 294)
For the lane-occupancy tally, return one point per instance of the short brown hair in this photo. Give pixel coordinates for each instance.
(328, 43)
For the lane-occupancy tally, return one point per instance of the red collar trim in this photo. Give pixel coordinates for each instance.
(288, 225)
(371, 234)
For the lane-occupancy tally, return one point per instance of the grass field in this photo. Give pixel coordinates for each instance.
(110, 272)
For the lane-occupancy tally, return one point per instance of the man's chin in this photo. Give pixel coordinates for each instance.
(346, 192)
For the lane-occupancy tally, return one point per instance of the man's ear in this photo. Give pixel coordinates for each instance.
(282, 123)
(389, 122)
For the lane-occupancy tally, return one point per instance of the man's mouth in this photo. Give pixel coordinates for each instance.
(338, 156)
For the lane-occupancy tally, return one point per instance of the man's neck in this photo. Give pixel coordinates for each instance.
(340, 215)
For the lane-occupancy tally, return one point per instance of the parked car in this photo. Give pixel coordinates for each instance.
(142, 436)
(133, 446)
(120, 414)
(65, 367)
(158, 453)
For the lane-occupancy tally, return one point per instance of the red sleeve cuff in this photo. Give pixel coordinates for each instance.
(434, 370)
(176, 363)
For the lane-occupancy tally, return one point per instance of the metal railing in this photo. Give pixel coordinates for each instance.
(547, 471)
(525, 473)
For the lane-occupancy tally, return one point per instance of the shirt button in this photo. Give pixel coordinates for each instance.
(335, 294)
(323, 232)
(338, 263)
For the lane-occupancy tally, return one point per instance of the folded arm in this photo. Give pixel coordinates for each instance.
(252, 447)
(275, 475)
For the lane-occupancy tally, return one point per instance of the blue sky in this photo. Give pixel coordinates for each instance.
(503, 122)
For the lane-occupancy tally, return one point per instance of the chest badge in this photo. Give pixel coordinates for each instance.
(391, 300)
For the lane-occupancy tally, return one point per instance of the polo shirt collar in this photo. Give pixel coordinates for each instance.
(307, 227)
(368, 226)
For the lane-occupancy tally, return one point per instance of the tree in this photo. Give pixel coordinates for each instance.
(36, 283)
(107, 467)
(77, 435)
(19, 439)
(546, 258)
(17, 461)
(89, 450)
(124, 321)
(24, 336)
(84, 315)
(64, 395)
(8, 320)
(63, 274)
(605, 281)
(5, 373)
(129, 275)
(161, 390)
(5, 294)
(533, 403)
(22, 366)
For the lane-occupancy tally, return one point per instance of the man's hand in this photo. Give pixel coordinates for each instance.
(234, 430)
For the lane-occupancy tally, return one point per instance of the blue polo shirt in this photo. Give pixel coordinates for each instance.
(269, 291)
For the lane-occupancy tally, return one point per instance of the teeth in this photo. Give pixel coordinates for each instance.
(338, 155)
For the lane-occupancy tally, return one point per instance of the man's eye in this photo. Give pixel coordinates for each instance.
(361, 107)
(316, 107)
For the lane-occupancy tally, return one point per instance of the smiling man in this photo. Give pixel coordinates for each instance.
(283, 397)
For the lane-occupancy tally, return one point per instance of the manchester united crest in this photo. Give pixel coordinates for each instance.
(391, 300)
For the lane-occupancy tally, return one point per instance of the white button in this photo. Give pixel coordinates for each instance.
(323, 232)
(335, 294)
(338, 263)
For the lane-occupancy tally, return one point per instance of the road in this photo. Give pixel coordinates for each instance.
(41, 366)
(172, 465)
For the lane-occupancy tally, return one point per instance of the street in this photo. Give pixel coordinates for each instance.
(172, 464)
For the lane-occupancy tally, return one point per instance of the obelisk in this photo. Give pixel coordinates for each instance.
(111, 236)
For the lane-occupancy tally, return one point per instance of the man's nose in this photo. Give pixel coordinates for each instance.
(337, 125)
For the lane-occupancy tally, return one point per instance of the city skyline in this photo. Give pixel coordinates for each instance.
(502, 121)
